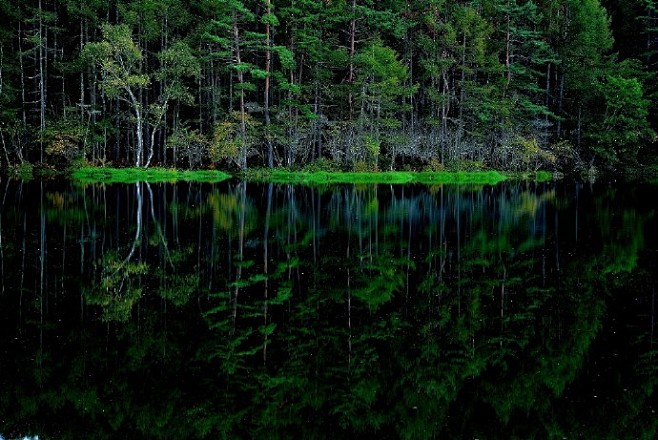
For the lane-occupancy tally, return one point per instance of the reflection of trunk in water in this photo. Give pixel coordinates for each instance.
(266, 257)
(502, 299)
(163, 241)
(458, 217)
(400, 349)
(23, 252)
(409, 258)
(42, 263)
(2, 252)
(238, 275)
(158, 227)
(293, 213)
(349, 283)
(653, 311)
(138, 233)
(119, 287)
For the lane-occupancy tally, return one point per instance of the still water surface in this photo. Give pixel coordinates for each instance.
(271, 311)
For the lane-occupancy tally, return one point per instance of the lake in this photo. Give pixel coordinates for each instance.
(234, 310)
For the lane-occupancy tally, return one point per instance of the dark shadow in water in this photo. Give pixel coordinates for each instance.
(273, 311)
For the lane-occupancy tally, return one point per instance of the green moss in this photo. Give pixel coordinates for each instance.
(445, 177)
(131, 175)
(153, 175)
(393, 177)
(543, 176)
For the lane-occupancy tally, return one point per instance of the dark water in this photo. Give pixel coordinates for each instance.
(255, 311)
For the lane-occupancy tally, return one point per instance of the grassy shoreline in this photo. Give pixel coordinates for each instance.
(156, 175)
(151, 175)
(390, 177)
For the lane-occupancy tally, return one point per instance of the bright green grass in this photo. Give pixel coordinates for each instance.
(152, 175)
(393, 177)
(461, 177)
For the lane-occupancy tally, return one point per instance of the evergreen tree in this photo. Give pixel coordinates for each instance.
(382, 80)
(287, 82)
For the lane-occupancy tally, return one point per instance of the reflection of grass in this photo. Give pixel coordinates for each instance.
(479, 177)
(153, 175)
(394, 177)
(543, 176)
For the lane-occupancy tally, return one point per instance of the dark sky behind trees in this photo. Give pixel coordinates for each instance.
(360, 84)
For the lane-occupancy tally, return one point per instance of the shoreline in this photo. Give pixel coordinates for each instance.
(161, 175)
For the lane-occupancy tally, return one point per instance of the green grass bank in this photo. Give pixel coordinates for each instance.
(152, 175)
(264, 175)
(392, 177)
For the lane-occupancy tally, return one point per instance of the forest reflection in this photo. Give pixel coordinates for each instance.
(275, 311)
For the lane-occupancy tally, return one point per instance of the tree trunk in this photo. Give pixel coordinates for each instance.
(351, 73)
(2, 136)
(560, 101)
(266, 97)
(243, 116)
(462, 91)
(139, 131)
(42, 64)
(22, 67)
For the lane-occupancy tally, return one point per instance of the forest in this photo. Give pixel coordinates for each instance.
(359, 85)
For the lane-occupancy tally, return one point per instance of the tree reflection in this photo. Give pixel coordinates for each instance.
(119, 288)
(239, 311)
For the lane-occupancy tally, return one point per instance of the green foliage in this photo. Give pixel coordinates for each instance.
(64, 139)
(177, 63)
(120, 59)
(472, 81)
(322, 165)
(229, 144)
(118, 290)
(189, 143)
(382, 78)
(179, 289)
(23, 171)
(225, 143)
(617, 137)
(383, 278)
(623, 240)
(532, 156)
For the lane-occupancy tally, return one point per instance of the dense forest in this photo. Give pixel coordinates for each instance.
(355, 84)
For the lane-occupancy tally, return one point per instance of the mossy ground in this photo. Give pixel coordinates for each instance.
(393, 177)
(153, 175)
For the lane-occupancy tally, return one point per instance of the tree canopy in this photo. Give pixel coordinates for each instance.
(510, 84)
